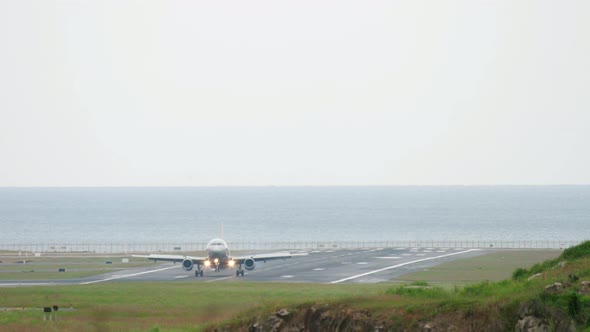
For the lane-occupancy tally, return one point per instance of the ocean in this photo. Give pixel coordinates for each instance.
(396, 213)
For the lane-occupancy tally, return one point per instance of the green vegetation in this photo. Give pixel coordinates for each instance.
(579, 251)
(47, 267)
(495, 266)
(189, 306)
(166, 306)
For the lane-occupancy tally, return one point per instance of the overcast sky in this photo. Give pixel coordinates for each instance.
(117, 93)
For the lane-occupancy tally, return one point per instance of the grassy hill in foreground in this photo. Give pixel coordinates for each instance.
(550, 296)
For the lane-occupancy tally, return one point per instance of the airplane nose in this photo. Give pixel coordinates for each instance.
(218, 250)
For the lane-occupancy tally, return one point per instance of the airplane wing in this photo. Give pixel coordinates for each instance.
(263, 257)
(173, 258)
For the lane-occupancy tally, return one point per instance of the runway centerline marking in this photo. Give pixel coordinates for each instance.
(126, 276)
(400, 265)
(218, 279)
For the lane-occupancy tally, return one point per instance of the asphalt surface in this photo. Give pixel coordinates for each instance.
(326, 266)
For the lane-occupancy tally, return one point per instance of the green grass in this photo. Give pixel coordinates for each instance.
(569, 255)
(179, 305)
(495, 266)
(47, 268)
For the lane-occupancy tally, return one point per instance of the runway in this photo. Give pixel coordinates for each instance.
(325, 266)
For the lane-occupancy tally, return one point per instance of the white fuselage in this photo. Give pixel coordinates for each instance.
(218, 254)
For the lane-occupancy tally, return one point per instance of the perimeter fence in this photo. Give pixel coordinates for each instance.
(166, 247)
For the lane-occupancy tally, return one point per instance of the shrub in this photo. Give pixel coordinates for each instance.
(581, 250)
(418, 291)
(574, 307)
(519, 273)
(482, 288)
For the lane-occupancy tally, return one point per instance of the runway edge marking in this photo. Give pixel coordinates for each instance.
(125, 276)
(400, 265)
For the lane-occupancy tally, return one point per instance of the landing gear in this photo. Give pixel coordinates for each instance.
(239, 271)
(199, 272)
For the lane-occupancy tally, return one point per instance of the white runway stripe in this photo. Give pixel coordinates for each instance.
(219, 279)
(126, 275)
(24, 283)
(400, 265)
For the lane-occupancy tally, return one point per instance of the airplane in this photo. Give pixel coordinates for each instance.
(218, 258)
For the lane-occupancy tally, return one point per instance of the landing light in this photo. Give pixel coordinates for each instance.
(207, 263)
(231, 263)
(216, 260)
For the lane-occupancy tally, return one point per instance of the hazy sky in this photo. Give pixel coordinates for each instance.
(294, 92)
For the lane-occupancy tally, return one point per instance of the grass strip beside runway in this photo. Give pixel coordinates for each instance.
(47, 268)
(171, 306)
(494, 266)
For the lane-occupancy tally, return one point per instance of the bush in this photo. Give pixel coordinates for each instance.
(574, 307)
(581, 250)
(418, 291)
(520, 273)
(542, 267)
(482, 288)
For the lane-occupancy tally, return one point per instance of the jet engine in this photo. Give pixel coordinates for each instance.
(249, 264)
(187, 264)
